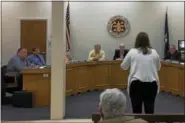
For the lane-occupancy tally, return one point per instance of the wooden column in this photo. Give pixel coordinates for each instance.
(58, 66)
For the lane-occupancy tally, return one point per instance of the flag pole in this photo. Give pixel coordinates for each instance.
(167, 9)
(166, 33)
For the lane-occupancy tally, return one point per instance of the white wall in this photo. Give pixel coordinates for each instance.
(89, 24)
(12, 12)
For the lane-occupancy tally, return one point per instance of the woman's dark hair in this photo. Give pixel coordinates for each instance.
(143, 43)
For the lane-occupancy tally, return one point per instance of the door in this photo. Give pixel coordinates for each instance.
(34, 35)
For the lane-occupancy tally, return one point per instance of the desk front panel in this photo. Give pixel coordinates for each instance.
(39, 85)
(172, 78)
(82, 77)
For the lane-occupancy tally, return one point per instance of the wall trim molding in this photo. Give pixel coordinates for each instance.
(34, 18)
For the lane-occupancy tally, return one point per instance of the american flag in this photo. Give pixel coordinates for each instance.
(68, 39)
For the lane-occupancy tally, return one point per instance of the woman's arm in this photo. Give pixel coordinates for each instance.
(126, 62)
(158, 61)
(158, 64)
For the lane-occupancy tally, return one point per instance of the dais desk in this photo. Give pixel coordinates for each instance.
(81, 77)
(38, 81)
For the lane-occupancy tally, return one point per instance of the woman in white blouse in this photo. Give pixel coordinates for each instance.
(143, 80)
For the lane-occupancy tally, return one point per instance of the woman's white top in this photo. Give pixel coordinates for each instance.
(142, 67)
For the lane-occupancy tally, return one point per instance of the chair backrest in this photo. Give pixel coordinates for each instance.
(151, 118)
(3, 87)
(96, 117)
(3, 71)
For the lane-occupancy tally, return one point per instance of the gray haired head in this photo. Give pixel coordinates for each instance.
(112, 103)
(97, 45)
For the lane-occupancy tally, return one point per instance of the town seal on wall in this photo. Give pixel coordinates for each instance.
(118, 26)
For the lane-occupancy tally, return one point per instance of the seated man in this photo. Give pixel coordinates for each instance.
(112, 108)
(120, 53)
(173, 54)
(36, 58)
(17, 63)
(96, 54)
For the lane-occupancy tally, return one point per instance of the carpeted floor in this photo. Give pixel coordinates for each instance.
(83, 105)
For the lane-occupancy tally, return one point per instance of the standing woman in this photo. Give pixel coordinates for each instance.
(143, 80)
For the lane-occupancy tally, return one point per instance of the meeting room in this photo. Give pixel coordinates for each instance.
(85, 61)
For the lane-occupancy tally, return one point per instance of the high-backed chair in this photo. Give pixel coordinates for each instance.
(3, 90)
(9, 79)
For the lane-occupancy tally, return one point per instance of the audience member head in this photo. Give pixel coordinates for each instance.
(97, 48)
(172, 48)
(36, 51)
(122, 47)
(112, 103)
(22, 53)
(143, 43)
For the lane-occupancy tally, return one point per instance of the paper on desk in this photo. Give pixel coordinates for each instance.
(119, 59)
(182, 63)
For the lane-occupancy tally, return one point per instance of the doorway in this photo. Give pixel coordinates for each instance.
(34, 35)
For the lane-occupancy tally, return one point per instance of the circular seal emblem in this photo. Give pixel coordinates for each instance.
(118, 26)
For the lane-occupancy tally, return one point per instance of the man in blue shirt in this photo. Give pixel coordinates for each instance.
(36, 58)
(18, 63)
